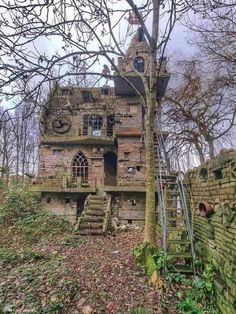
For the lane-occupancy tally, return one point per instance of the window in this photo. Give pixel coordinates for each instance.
(110, 124)
(133, 108)
(126, 155)
(56, 152)
(131, 170)
(92, 125)
(80, 167)
(139, 64)
(48, 200)
(140, 34)
(87, 96)
(105, 91)
(218, 174)
(203, 173)
(66, 92)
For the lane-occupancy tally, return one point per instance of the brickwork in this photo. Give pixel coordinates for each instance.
(131, 170)
(56, 162)
(215, 234)
(129, 207)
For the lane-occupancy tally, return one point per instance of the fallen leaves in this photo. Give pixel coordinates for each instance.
(81, 275)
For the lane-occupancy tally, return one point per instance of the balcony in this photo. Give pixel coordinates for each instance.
(64, 184)
(82, 139)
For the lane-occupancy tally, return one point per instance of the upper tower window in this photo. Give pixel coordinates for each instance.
(139, 64)
(140, 34)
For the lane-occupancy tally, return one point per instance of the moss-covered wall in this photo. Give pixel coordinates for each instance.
(215, 235)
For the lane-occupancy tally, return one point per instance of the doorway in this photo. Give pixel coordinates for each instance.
(80, 205)
(110, 168)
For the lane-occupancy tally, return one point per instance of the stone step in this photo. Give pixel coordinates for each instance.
(96, 202)
(93, 219)
(96, 207)
(94, 212)
(90, 232)
(90, 225)
(97, 197)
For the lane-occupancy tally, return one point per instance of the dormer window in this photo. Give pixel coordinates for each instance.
(139, 64)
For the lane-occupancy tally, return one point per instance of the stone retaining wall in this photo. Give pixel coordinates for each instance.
(213, 187)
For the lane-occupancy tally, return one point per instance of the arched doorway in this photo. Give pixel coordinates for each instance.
(80, 168)
(110, 168)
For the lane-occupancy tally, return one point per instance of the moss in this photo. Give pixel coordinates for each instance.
(150, 265)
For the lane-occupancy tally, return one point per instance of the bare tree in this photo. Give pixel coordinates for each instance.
(7, 147)
(200, 111)
(213, 31)
(19, 133)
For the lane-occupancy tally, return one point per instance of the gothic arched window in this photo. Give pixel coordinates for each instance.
(139, 64)
(80, 167)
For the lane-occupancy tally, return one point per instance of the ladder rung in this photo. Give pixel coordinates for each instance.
(181, 269)
(173, 193)
(174, 208)
(179, 229)
(176, 219)
(180, 255)
(178, 241)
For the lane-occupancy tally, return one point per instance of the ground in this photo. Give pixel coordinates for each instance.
(74, 274)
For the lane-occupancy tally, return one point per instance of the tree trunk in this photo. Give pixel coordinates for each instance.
(211, 149)
(150, 215)
(200, 152)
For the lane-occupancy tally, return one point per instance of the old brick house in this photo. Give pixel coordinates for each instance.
(93, 140)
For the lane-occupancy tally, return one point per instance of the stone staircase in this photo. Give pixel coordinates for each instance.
(96, 215)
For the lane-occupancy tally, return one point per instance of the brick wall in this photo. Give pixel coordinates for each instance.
(129, 207)
(215, 236)
(56, 162)
(131, 165)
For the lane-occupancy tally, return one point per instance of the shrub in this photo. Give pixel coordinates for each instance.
(18, 204)
(22, 211)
